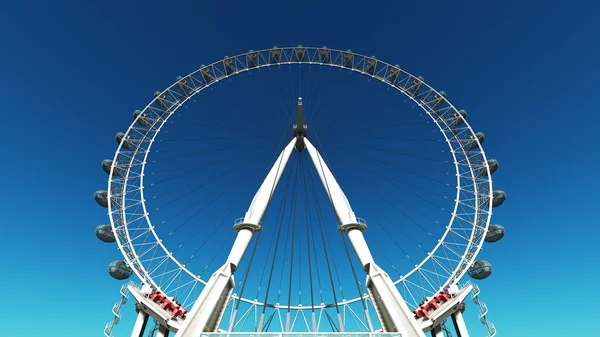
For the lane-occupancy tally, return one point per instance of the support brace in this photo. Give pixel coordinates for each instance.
(394, 314)
(208, 310)
(437, 331)
(459, 324)
(140, 324)
(162, 331)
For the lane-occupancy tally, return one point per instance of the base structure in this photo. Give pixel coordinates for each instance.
(448, 306)
(207, 313)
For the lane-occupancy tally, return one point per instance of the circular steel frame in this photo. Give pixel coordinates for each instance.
(126, 190)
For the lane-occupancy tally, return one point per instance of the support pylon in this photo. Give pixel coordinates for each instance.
(394, 314)
(392, 310)
(208, 310)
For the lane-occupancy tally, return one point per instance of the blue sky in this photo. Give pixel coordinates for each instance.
(72, 73)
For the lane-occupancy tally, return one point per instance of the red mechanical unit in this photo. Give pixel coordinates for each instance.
(434, 304)
(167, 305)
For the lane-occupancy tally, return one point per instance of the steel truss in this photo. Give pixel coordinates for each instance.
(130, 219)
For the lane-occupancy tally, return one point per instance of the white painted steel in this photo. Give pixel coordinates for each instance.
(460, 325)
(210, 302)
(144, 137)
(265, 192)
(140, 324)
(437, 331)
(336, 196)
(162, 331)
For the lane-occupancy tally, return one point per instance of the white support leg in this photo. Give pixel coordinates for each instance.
(334, 191)
(459, 324)
(162, 331)
(437, 331)
(394, 314)
(265, 192)
(208, 310)
(140, 324)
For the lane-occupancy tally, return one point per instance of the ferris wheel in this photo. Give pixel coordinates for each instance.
(312, 138)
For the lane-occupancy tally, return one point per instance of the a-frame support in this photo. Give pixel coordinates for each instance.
(208, 310)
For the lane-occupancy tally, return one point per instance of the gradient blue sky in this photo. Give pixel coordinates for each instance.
(72, 72)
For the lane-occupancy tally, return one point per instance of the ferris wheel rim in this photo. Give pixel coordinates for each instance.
(123, 238)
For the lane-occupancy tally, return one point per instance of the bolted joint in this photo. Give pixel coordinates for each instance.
(352, 226)
(300, 146)
(249, 226)
(300, 128)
